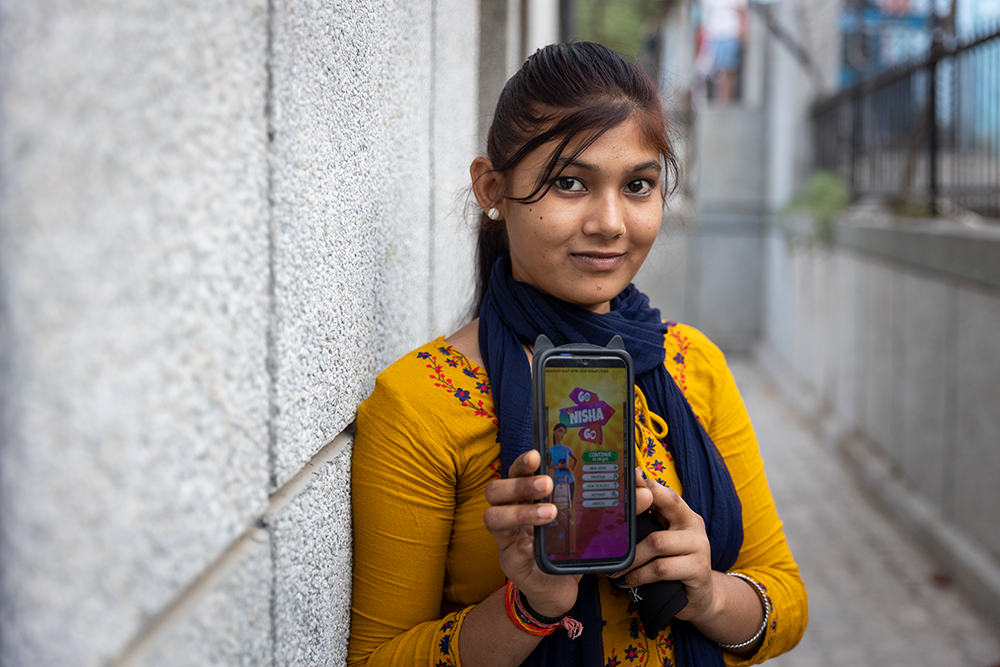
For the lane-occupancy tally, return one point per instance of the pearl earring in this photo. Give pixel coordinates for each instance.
(493, 214)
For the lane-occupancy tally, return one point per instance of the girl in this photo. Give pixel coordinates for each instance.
(572, 187)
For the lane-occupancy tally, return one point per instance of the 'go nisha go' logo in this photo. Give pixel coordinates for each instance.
(589, 415)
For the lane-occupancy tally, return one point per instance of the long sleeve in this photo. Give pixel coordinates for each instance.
(403, 501)
(765, 556)
(424, 445)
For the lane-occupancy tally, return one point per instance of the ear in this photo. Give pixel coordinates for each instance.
(486, 185)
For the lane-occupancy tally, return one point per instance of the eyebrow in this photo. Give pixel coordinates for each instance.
(587, 166)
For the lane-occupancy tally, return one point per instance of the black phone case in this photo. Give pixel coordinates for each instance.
(543, 350)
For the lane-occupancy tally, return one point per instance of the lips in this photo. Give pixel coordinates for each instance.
(601, 260)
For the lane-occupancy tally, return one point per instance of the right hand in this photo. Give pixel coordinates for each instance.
(511, 520)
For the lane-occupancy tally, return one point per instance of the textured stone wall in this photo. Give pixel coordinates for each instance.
(218, 221)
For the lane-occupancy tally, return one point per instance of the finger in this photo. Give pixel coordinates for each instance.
(671, 507)
(518, 489)
(643, 496)
(664, 554)
(671, 543)
(525, 464)
(660, 544)
(500, 519)
(675, 568)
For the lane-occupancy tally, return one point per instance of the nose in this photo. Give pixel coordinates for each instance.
(606, 216)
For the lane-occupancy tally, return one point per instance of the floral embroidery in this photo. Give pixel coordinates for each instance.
(454, 360)
(773, 625)
(682, 343)
(613, 660)
(658, 465)
(650, 446)
(633, 628)
(447, 657)
(665, 648)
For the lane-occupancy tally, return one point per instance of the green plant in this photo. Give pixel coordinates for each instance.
(823, 196)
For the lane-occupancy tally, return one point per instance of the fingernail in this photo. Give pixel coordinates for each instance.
(546, 512)
(540, 484)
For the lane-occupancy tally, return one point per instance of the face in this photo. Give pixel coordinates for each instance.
(557, 435)
(584, 241)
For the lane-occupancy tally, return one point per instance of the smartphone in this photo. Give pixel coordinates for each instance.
(583, 398)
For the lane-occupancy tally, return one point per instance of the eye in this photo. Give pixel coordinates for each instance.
(639, 186)
(569, 184)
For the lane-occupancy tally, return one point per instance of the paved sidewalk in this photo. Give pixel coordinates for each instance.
(874, 597)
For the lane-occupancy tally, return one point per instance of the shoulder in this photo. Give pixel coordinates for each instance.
(699, 368)
(435, 385)
(689, 350)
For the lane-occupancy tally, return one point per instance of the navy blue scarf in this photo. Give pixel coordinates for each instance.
(515, 313)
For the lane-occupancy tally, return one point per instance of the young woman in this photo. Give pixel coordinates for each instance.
(572, 187)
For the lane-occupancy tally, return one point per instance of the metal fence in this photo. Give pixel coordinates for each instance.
(928, 132)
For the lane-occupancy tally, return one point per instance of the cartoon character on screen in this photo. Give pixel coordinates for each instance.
(559, 456)
(559, 463)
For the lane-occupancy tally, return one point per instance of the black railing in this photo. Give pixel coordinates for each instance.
(926, 132)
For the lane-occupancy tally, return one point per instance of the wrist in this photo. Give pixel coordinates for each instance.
(544, 610)
(533, 622)
(712, 606)
(765, 601)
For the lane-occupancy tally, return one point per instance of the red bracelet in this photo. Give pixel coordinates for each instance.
(525, 621)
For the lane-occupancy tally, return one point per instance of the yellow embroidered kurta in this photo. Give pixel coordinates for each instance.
(425, 449)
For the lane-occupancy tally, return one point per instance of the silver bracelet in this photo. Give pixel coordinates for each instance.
(766, 601)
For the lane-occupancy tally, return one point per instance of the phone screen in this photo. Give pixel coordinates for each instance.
(586, 408)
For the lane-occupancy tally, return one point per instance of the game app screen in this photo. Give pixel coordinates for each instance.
(585, 409)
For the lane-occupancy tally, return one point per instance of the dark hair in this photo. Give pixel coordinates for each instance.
(560, 92)
(559, 426)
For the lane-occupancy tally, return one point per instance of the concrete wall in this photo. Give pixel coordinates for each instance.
(218, 221)
(889, 337)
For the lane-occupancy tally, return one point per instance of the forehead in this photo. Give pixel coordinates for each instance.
(619, 149)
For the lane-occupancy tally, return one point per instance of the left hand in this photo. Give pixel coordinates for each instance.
(679, 552)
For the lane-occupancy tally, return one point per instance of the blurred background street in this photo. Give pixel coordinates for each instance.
(875, 598)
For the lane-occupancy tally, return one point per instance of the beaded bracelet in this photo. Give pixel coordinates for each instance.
(527, 620)
(766, 601)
